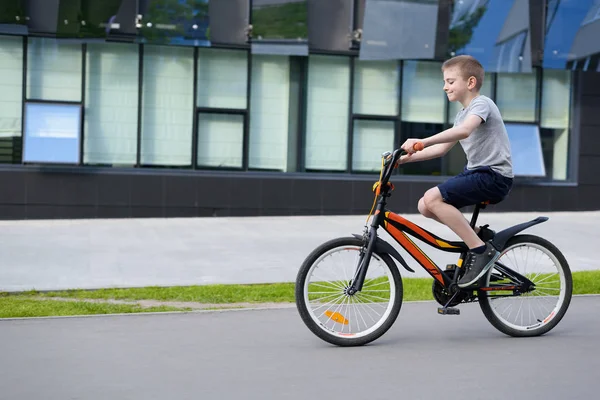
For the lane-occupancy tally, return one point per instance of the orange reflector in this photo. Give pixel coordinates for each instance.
(337, 317)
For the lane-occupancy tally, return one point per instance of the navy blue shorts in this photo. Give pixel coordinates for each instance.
(475, 186)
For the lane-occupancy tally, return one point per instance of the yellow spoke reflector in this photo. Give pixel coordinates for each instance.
(337, 317)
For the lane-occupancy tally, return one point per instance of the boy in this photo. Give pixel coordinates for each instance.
(488, 174)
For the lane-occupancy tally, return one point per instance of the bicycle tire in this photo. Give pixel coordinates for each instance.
(556, 315)
(303, 307)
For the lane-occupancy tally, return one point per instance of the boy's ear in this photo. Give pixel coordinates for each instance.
(472, 82)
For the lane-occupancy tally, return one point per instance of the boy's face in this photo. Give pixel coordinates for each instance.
(455, 86)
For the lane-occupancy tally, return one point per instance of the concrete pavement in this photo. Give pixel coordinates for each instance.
(65, 254)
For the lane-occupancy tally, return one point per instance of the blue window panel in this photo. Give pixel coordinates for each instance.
(565, 20)
(52, 133)
(493, 31)
(526, 150)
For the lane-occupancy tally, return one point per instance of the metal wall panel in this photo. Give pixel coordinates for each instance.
(330, 24)
(231, 18)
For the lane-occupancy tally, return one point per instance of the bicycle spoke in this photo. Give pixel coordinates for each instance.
(342, 315)
(546, 278)
(328, 304)
(368, 306)
(377, 284)
(334, 295)
(529, 311)
(372, 296)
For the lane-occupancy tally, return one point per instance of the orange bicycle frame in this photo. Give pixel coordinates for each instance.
(398, 227)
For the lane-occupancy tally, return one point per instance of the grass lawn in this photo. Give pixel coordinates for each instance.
(35, 304)
(18, 306)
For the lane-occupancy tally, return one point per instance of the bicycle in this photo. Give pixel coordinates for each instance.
(361, 304)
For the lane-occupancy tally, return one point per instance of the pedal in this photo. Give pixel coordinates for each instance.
(448, 311)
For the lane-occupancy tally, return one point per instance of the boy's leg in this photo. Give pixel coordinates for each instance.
(433, 203)
(428, 214)
(445, 200)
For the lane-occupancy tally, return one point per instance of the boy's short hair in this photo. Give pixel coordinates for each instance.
(468, 67)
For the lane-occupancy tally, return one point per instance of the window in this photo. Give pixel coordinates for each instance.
(376, 97)
(556, 93)
(371, 139)
(423, 98)
(564, 30)
(280, 27)
(269, 112)
(400, 29)
(464, 8)
(222, 78)
(516, 96)
(111, 104)
(593, 14)
(552, 7)
(11, 87)
(280, 20)
(220, 140)
(376, 85)
(167, 106)
(420, 130)
(556, 89)
(327, 113)
(52, 133)
(54, 70)
(508, 55)
(526, 150)
(221, 98)
(423, 109)
(477, 26)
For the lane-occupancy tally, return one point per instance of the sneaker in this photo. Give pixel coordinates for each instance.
(486, 234)
(477, 265)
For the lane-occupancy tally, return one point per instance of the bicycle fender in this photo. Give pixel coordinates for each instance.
(383, 247)
(502, 237)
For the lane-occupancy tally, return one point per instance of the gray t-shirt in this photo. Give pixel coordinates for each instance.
(487, 145)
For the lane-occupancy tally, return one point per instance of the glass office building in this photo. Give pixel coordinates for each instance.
(161, 108)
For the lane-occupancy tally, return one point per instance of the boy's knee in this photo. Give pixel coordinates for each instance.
(431, 197)
(423, 209)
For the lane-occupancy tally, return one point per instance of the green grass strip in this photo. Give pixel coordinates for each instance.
(19, 306)
(26, 305)
(584, 282)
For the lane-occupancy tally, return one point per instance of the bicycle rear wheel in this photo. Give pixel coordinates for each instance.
(537, 312)
(332, 314)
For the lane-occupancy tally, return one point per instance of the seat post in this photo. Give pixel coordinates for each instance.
(475, 215)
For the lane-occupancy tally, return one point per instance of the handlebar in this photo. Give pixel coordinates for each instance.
(390, 159)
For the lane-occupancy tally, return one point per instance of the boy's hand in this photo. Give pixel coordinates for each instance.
(409, 145)
(403, 159)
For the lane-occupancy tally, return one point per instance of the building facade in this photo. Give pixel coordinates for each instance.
(264, 119)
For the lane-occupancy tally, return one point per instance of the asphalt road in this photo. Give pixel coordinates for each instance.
(270, 354)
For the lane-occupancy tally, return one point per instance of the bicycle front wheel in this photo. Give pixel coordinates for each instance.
(536, 312)
(334, 315)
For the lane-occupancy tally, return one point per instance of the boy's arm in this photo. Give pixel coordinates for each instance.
(451, 135)
(435, 151)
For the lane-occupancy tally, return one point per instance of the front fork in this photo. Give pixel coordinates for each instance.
(358, 280)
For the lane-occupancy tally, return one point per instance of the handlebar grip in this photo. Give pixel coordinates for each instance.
(418, 146)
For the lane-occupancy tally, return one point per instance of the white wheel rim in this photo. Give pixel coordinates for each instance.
(538, 308)
(357, 310)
